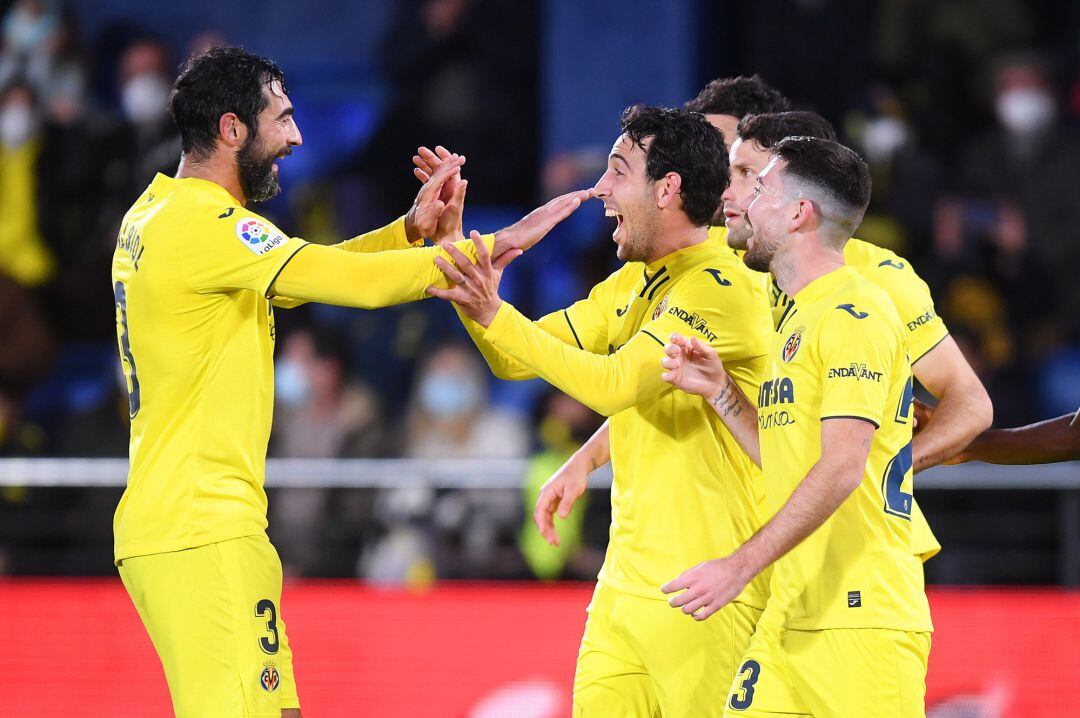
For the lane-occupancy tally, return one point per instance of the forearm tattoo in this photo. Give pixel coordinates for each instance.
(727, 401)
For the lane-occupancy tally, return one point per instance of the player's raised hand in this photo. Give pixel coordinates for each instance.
(476, 286)
(449, 228)
(693, 366)
(422, 219)
(531, 228)
(558, 495)
(707, 587)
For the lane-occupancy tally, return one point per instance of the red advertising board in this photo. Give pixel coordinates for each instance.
(76, 648)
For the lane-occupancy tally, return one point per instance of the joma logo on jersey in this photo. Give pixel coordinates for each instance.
(776, 391)
(923, 318)
(696, 322)
(855, 371)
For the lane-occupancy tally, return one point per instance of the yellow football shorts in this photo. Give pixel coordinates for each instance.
(640, 657)
(833, 673)
(214, 616)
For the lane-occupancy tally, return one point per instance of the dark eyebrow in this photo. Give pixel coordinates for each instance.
(285, 113)
(617, 156)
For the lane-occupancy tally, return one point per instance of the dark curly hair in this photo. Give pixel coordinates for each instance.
(738, 97)
(686, 144)
(220, 80)
(835, 177)
(769, 128)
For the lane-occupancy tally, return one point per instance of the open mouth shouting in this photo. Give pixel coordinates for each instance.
(610, 211)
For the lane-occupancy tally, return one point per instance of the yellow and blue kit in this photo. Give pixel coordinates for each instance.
(683, 492)
(924, 329)
(192, 275)
(850, 597)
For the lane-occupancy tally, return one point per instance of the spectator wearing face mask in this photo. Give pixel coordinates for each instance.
(449, 416)
(29, 37)
(148, 142)
(1021, 199)
(23, 254)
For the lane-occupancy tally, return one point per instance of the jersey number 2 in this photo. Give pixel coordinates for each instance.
(120, 295)
(898, 503)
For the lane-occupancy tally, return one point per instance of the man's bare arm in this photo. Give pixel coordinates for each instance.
(963, 411)
(1046, 442)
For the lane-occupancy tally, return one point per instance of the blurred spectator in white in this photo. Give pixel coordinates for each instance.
(320, 414)
(23, 254)
(449, 416)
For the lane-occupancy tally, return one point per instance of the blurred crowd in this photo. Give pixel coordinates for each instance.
(968, 113)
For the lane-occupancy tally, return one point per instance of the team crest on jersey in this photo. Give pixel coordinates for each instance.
(258, 237)
(270, 679)
(660, 309)
(792, 345)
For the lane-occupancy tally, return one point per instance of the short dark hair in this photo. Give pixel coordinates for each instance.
(769, 128)
(220, 80)
(685, 143)
(836, 176)
(738, 97)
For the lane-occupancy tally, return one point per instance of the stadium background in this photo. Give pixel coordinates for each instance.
(414, 586)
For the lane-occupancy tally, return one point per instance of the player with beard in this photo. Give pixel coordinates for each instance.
(964, 407)
(194, 273)
(846, 631)
(682, 486)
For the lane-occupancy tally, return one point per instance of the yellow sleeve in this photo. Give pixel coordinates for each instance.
(584, 324)
(381, 279)
(224, 256)
(857, 349)
(392, 236)
(923, 328)
(610, 383)
(383, 239)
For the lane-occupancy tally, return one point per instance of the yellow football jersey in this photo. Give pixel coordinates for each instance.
(191, 273)
(841, 352)
(683, 491)
(924, 328)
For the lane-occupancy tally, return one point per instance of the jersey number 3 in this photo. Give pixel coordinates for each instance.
(124, 337)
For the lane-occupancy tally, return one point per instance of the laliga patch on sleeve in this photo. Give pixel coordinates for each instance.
(258, 236)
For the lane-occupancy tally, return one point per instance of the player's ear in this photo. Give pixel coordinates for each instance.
(802, 212)
(667, 189)
(232, 132)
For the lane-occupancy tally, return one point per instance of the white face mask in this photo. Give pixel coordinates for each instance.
(882, 137)
(17, 125)
(1025, 110)
(145, 98)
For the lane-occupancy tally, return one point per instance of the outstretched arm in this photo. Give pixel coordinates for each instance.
(1046, 442)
